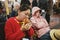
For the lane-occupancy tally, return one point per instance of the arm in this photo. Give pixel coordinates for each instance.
(35, 25)
(33, 22)
(10, 35)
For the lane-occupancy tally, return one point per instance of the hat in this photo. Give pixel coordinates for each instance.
(55, 34)
(34, 9)
(16, 3)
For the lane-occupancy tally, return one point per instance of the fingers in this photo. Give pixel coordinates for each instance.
(26, 26)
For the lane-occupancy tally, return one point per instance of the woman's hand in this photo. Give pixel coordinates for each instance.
(26, 27)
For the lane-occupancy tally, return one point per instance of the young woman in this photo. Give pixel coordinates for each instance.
(40, 25)
(16, 29)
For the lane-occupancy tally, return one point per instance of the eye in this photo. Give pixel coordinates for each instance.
(27, 14)
(39, 11)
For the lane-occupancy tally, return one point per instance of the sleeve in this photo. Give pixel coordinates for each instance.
(35, 25)
(10, 35)
(31, 32)
(33, 20)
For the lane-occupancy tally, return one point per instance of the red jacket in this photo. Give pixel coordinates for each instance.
(13, 32)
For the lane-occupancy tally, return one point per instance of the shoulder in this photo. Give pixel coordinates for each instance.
(10, 19)
(31, 18)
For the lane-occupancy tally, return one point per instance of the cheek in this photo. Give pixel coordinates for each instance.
(37, 13)
(17, 7)
(23, 16)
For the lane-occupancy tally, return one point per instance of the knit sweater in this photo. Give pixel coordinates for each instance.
(13, 32)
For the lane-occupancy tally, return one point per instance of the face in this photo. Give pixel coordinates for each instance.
(27, 13)
(24, 14)
(17, 7)
(37, 13)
